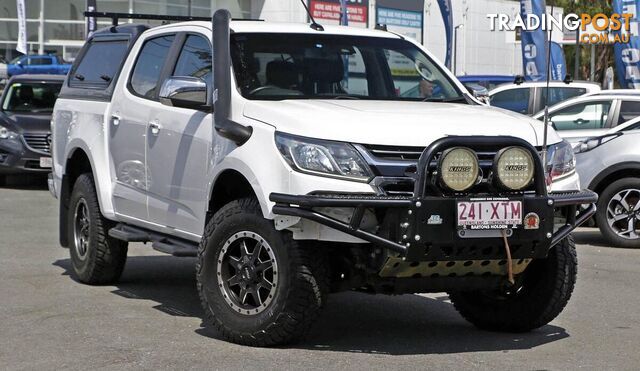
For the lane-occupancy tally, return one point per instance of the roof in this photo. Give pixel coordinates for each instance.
(617, 92)
(487, 77)
(28, 77)
(530, 84)
(240, 26)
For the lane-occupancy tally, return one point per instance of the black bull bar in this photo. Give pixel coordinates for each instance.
(419, 240)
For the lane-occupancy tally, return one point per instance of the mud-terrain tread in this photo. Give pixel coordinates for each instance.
(110, 254)
(304, 300)
(535, 310)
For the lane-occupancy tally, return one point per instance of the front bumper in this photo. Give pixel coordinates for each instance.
(415, 239)
(17, 158)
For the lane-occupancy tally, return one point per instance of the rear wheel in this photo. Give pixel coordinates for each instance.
(544, 291)
(618, 214)
(257, 285)
(96, 258)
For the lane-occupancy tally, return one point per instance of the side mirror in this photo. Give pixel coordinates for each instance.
(184, 92)
(19, 64)
(478, 91)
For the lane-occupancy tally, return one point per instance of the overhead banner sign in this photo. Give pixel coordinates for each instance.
(22, 27)
(330, 12)
(627, 54)
(534, 42)
(447, 18)
(91, 21)
(404, 17)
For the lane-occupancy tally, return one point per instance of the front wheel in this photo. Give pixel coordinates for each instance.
(257, 285)
(618, 214)
(544, 291)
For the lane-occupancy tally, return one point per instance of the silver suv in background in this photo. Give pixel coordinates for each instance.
(609, 164)
(593, 114)
(528, 98)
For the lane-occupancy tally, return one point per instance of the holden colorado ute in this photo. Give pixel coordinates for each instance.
(287, 159)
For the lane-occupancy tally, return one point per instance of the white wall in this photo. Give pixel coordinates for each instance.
(480, 50)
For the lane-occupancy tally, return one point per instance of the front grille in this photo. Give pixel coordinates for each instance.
(38, 142)
(395, 152)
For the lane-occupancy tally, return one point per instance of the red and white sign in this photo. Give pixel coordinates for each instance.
(327, 10)
(489, 214)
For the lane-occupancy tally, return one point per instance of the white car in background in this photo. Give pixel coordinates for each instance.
(593, 114)
(529, 98)
(609, 164)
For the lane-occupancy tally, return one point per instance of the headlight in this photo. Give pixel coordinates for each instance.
(514, 168)
(595, 142)
(459, 168)
(325, 158)
(7, 134)
(561, 160)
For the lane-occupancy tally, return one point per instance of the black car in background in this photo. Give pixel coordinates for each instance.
(25, 124)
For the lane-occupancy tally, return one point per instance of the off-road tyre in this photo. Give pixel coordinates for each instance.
(546, 289)
(104, 257)
(604, 199)
(303, 280)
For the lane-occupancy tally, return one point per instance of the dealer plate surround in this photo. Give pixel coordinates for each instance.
(489, 213)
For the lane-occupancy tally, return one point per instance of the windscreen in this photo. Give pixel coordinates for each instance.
(315, 66)
(31, 97)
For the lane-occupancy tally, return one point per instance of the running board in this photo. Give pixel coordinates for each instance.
(168, 245)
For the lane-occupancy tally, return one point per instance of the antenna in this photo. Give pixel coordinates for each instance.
(314, 24)
(546, 100)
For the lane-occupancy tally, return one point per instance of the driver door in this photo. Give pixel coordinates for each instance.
(178, 148)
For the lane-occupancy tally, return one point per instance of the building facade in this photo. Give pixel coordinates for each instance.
(58, 26)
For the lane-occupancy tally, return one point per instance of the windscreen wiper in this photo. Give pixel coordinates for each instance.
(459, 99)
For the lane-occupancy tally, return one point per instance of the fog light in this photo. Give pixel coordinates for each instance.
(514, 168)
(459, 168)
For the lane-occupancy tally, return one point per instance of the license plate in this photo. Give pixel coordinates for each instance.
(45, 162)
(489, 214)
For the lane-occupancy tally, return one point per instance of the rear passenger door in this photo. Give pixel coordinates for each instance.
(629, 109)
(133, 104)
(178, 149)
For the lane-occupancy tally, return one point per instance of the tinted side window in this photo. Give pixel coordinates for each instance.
(99, 63)
(195, 59)
(629, 110)
(39, 61)
(588, 115)
(146, 72)
(516, 100)
(557, 95)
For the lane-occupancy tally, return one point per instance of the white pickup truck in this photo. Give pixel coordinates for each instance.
(293, 163)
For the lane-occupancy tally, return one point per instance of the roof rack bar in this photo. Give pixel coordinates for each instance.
(116, 16)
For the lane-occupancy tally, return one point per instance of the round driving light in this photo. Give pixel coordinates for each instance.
(459, 168)
(514, 168)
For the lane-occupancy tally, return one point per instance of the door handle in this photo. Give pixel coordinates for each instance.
(115, 120)
(155, 127)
